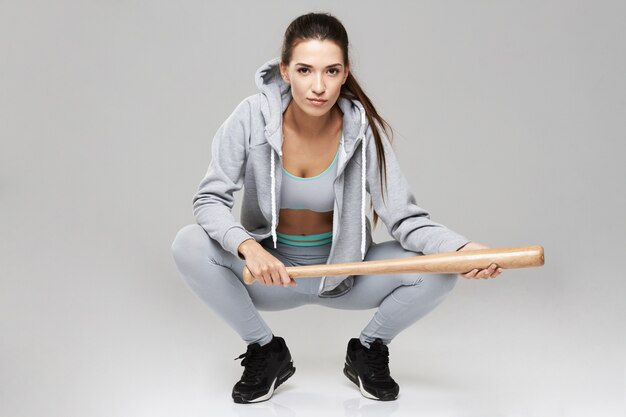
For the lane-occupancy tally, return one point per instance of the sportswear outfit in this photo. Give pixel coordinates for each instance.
(247, 152)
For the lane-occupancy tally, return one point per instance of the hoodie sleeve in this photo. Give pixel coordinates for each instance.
(213, 202)
(406, 222)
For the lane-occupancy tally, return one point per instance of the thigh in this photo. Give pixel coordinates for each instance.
(368, 291)
(195, 249)
(273, 297)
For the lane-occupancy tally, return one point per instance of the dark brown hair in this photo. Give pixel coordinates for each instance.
(324, 26)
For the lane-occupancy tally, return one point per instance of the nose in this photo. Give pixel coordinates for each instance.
(318, 85)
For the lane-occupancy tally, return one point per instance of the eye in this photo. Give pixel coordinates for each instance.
(336, 70)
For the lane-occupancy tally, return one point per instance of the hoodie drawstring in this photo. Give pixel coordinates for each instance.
(273, 200)
(363, 171)
(363, 161)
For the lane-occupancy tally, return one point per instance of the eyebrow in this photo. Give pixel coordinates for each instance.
(310, 66)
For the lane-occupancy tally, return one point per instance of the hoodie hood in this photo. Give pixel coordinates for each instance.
(277, 95)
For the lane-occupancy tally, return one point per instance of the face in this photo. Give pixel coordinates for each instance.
(316, 71)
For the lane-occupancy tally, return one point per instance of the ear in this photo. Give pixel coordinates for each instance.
(283, 73)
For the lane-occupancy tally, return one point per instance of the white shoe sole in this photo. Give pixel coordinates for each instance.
(356, 379)
(365, 393)
(266, 396)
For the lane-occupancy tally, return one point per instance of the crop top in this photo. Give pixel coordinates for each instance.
(315, 193)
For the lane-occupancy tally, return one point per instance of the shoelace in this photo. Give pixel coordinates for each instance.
(255, 363)
(377, 360)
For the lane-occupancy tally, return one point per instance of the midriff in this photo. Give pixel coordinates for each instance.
(304, 222)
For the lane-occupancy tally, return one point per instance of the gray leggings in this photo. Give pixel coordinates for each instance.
(215, 276)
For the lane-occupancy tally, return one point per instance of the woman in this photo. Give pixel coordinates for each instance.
(307, 149)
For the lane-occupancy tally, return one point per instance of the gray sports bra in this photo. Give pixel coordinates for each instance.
(314, 193)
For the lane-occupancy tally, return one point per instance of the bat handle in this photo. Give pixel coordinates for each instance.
(249, 279)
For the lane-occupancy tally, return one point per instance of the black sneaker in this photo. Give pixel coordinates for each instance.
(369, 370)
(266, 367)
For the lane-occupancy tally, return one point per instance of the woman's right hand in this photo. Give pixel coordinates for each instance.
(264, 266)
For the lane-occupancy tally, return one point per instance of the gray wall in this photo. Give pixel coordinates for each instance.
(510, 125)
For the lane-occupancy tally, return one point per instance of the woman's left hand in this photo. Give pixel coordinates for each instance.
(491, 272)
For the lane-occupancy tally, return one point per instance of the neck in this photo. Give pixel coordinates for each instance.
(307, 126)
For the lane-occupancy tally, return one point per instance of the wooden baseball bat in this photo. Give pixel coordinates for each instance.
(449, 262)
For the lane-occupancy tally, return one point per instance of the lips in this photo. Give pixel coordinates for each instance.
(317, 101)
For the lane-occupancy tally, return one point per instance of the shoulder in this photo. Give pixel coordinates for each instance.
(253, 101)
(245, 111)
(248, 108)
(243, 107)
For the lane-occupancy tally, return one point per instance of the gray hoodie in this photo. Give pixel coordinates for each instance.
(247, 152)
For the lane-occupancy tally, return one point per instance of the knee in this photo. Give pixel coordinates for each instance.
(441, 284)
(447, 281)
(190, 242)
